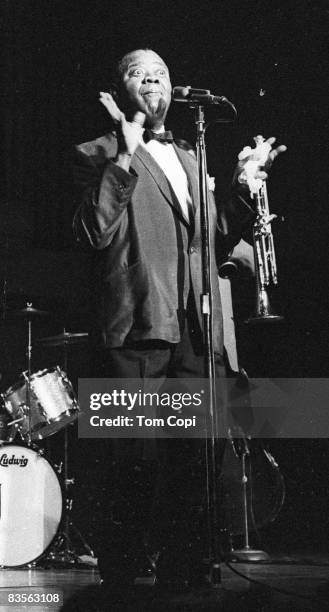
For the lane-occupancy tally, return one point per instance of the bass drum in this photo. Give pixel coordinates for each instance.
(30, 505)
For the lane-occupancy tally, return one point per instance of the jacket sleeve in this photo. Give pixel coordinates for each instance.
(103, 192)
(236, 217)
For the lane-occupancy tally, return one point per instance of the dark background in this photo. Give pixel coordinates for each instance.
(271, 60)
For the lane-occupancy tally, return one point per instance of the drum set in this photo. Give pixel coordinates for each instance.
(35, 504)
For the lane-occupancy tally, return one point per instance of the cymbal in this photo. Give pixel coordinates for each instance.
(29, 312)
(64, 338)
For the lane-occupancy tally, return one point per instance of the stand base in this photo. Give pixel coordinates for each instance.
(65, 557)
(63, 552)
(215, 576)
(247, 555)
(68, 558)
(256, 320)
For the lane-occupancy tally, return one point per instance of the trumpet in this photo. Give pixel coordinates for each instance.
(263, 242)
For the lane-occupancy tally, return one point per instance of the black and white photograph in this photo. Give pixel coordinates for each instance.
(164, 306)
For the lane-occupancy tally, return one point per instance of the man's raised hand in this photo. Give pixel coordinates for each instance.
(129, 133)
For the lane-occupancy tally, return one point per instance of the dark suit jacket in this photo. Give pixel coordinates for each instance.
(151, 255)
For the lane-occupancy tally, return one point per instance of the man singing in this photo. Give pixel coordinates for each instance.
(139, 206)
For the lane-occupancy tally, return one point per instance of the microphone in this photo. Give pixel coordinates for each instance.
(190, 94)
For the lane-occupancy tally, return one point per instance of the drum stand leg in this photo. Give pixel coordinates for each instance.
(63, 550)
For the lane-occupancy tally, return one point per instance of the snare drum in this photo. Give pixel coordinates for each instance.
(31, 505)
(53, 403)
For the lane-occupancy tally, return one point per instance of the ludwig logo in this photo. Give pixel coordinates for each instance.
(5, 461)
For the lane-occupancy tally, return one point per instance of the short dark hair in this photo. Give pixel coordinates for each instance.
(122, 64)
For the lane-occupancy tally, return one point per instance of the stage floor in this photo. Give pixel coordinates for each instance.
(296, 583)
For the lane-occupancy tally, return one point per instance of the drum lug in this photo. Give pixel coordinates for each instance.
(59, 467)
(39, 451)
(69, 503)
(24, 407)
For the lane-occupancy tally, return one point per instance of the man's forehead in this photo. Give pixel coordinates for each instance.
(141, 56)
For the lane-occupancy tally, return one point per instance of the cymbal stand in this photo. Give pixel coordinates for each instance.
(28, 382)
(64, 551)
(28, 313)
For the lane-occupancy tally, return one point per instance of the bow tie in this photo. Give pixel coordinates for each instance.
(162, 137)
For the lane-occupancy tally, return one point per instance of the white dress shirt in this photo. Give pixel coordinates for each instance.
(165, 156)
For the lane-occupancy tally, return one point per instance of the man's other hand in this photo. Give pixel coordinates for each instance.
(254, 164)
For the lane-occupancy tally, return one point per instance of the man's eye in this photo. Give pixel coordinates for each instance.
(137, 72)
(162, 72)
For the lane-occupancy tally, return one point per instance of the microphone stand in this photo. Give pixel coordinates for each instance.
(206, 311)
(197, 99)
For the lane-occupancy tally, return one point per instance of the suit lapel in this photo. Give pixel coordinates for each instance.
(144, 157)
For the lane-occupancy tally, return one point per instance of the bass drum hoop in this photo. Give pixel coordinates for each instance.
(53, 539)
